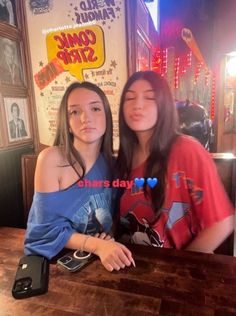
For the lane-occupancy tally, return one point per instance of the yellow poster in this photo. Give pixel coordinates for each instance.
(77, 49)
(75, 41)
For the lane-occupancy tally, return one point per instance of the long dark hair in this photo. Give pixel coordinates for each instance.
(64, 139)
(164, 134)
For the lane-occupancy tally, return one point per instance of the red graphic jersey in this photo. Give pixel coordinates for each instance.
(195, 199)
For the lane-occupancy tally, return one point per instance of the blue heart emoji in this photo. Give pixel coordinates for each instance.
(139, 182)
(152, 182)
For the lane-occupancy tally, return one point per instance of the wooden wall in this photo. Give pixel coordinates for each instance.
(224, 41)
(11, 150)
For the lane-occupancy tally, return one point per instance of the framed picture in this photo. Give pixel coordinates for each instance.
(2, 129)
(8, 12)
(1, 141)
(10, 63)
(17, 119)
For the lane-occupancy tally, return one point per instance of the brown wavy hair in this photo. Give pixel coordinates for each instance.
(164, 134)
(64, 139)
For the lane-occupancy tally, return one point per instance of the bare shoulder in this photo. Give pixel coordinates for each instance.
(50, 156)
(47, 174)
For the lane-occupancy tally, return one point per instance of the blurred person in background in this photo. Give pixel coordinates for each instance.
(194, 121)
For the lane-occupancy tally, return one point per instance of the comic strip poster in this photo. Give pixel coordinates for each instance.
(75, 41)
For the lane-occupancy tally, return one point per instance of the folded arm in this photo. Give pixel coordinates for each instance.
(113, 255)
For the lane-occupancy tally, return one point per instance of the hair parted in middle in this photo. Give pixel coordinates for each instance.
(64, 138)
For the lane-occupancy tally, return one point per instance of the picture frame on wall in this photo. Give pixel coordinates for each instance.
(1, 140)
(10, 63)
(17, 119)
(8, 12)
(2, 130)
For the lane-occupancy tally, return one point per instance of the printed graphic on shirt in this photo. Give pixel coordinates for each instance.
(177, 211)
(141, 232)
(180, 178)
(176, 215)
(94, 216)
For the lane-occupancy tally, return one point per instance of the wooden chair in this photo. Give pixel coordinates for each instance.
(28, 165)
(226, 167)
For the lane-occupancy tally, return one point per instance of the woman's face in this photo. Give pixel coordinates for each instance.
(140, 108)
(87, 119)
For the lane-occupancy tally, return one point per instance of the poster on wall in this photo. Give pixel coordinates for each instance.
(75, 41)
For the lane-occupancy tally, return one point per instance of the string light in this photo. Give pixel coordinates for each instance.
(176, 73)
(164, 62)
(185, 62)
(156, 61)
(181, 64)
(197, 72)
(207, 74)
(213, 95)
(189, 59)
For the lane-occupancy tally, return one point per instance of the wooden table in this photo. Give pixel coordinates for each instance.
(164, 282)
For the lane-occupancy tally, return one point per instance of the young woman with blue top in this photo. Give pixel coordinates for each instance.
(66, 210)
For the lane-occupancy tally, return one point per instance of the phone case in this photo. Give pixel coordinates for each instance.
(31, 277)
(75, 260)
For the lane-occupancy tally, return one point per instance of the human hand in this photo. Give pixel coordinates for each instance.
(113, 255)
(104, 236)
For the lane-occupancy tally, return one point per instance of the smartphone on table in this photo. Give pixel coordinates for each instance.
(31, 277)
(76, 260)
